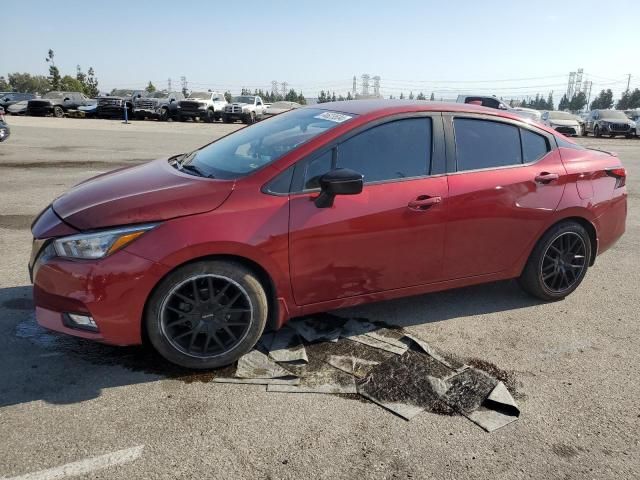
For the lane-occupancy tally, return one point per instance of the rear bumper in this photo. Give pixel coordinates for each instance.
(113, 291)
(611, 224)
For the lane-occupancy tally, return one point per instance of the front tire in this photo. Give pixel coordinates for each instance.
(558, 263)
(596, 132)
(58, 112)
(206, 314)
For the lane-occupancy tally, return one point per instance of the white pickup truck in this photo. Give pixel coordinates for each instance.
(247, 108)
(207, 106)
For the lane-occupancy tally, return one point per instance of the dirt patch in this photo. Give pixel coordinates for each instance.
(564, 450)
(505, 376)
(16, 222)
(92, 165)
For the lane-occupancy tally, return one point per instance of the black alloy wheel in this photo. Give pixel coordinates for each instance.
(563, 262)
(558, 263)
(58, 112)
(206, 314)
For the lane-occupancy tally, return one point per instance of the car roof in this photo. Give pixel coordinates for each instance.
(381, 107)
(362, 107)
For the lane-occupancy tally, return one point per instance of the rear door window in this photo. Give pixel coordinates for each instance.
(391, 151)
(486, 144)
(534, 146)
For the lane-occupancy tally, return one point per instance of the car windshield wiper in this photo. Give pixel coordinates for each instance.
(192, 168)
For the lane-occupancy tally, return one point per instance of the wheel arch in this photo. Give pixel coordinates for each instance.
(263, 275)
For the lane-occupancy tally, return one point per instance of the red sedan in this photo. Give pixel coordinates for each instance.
(320, 208)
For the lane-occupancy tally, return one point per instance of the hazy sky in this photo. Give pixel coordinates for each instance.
(507, 48)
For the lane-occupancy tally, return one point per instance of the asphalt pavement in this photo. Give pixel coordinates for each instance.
(68, 407)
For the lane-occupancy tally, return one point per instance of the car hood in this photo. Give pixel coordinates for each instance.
(239, 104)
(564, 123)
(149, 192)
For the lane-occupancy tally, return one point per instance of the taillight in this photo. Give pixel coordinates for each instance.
(620, 174)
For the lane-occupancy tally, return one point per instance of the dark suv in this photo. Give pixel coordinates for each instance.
(112, 105)
(609, 122)
(56, 103)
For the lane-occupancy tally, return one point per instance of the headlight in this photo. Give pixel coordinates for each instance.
(633, 124)
(202, 105)
(98, 244)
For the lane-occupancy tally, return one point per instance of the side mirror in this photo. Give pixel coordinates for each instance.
(340, 181)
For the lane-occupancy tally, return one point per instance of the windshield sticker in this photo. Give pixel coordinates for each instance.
(333, 117)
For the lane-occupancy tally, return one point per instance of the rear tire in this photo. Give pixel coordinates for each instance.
(58, 112)
(209, 117)
(206, 314)
(558, 263)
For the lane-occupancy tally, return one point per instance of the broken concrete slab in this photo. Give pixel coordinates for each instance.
(498, 409)
(407, 384)
(258, 381)
(358, 367)
(315, 329)
(320, 378)
(468, 390)
(256, 364)
(429, 350)
(286, 346)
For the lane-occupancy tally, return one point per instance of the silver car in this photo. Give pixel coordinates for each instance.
(563, 122)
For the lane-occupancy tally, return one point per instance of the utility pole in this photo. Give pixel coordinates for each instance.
(284, 88)
(354, 87)
(274, 87)
(183, 81)
(628, 81)
(169, 83)
(365, 84)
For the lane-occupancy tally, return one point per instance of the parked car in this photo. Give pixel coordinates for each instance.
(5, 131)
(563, 122)
(207, 106)
(246, 108)
(160, 105)
(535, 115)
(90, 110)
(113, 105)
(609, 122)
(18, 108)
(8, 99)
(280, 107)
(489, 101)
(319, 208)
(56, 103)
(634, 115)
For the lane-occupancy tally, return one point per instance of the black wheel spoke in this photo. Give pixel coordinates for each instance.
(216, 304)
(563, 262)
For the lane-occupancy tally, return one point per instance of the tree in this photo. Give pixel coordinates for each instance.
(603, 101)
(24, 82)
(227, 95)
(578, 102)
(432, 97)
(550, 101)
(91, 85)
(4, 85)
(421, 96)
(401, 96)
(349, 97)
(564, 103)
(629, 100)
(151, 87)
(70, 84)
(410, 95)
(54, 73)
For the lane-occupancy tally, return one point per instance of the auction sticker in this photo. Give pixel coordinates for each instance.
(334, 117)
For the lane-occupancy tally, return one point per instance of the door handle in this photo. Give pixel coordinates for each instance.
(546, 177)
(423, 202)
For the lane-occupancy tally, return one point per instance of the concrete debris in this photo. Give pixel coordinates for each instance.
(256, 364)
(286, 346)
(315, 329)
(397, 370)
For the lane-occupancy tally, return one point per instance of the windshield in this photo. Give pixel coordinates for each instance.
(561, 116)
(243, 99)
(613, 115)
(53, 95)
(251, 148)
(159, 95)
(200, 95)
